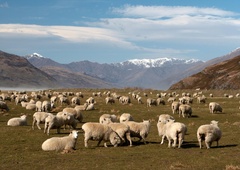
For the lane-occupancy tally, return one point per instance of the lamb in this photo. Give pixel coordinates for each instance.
(185, 109)
(139, 129)
(125, 117)
(102, 118)
(18, 121)
(54, 121)
(163, 119)
(210, 133)
(175, 107)
(39, 117)
(214, 107)
(66, 143)
(121, 129)
(99, 132)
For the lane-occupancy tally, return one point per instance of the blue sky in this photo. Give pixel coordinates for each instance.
(110, 31)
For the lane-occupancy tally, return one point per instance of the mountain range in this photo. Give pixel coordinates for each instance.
(159, 73)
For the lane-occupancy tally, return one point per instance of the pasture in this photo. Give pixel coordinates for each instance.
(20, 147)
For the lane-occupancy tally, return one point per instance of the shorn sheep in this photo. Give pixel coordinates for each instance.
(139, 129)
(18, 121)
(209, 133)
(99, 132)
(65, 144)
(214, 107)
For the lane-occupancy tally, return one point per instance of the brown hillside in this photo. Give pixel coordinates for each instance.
(16, 71)
(224, 75)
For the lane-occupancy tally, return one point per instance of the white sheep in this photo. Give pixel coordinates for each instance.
(185, 109)
(65, 144)
(75, 100)
(18, 121)
(175, 131)
(210, 133)
(139, 129)
(54, 121)
(39, 117)
(38, 106)
(68, 118)
(125, 117)
(175, 107)
(112, 117)
(160, 101)
(109, 100)
(162, 120)
(214, 107)
(81, 107)
(31, 106)
(99, 132)
(47, 106)
(90, 100)
(76, 113)
(90, 106)
(121, 129)
(124, 100)
(151, 102)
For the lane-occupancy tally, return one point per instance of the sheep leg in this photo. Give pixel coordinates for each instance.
(105, 145)
(86, 143)
(174, 142)
(38, 125)
(163, 136)
(129, 138)
(33, 123)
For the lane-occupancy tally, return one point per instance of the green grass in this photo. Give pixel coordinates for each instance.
(20, 147)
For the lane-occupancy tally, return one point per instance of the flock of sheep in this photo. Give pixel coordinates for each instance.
(110, 128)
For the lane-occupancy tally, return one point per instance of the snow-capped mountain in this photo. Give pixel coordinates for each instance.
(34, 55)
(158, 62)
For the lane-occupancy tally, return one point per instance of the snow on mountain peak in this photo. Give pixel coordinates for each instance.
(34, 55)
(158, 62)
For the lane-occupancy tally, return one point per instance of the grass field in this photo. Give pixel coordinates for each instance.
(20, 147)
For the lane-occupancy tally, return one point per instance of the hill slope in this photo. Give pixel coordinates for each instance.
(223, 75)
(17, 72)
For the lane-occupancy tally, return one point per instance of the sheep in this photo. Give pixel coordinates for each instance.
(90, 106)
(81, 107)
(139, 129)
(151, 102)
(64, 99)
(39, 117)
(171, 99)
(68, 118)
(109, 100)
(160, 101)
(121, 129)
(163, 118)
(76, 113)
(201, 99)
(175, 107)
(90, 100)
(139, 99)
(124, 100)
(210, 133)
(173, 131)
(75, 100)
(18, 121)
(54, 121)
(47, 106)
(99, 132)
(185, 109)
(102, 118)
(4, 106)
(24, 104)
(214, 107)
(38, 106)
(31, 106)
(66, 143)
(125, 117)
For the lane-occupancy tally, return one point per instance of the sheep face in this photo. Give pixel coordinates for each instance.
(115, 139)
(74, 133)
